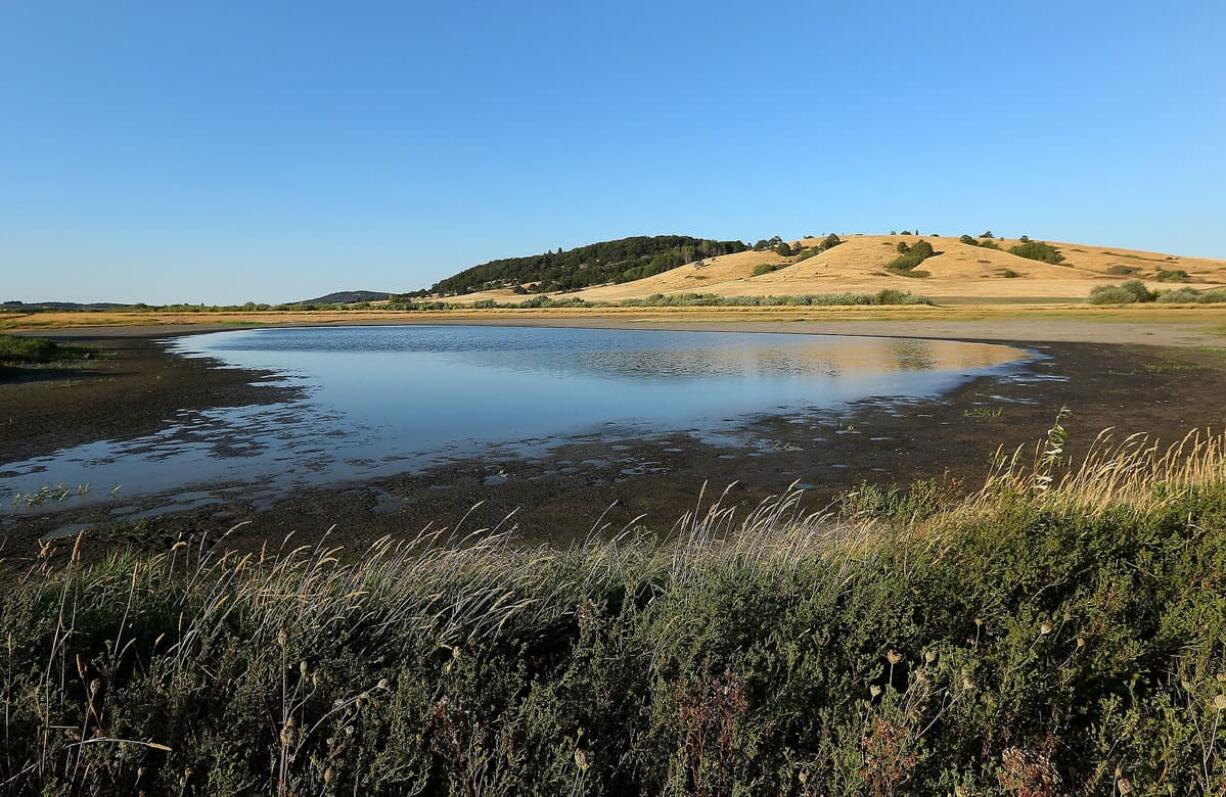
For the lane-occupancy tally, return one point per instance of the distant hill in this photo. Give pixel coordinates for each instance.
(71, 306)
(623, 260)
(348, 297)
(974, 269)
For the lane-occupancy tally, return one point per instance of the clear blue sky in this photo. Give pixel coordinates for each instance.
(225, 151)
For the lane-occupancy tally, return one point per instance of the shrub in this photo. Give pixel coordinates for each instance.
(1025, 239)
(1009, 273)
(904, 263)
(783, 249)
(902, 248)
(1110, 294)
(1131, 292)
(988, 235)
(15, 350)
(966, 239)
(1122, 271)
(1193, 296)
(1173, 275)
(1035, 250)
(764, 268)
(830, 241)
(911, 257)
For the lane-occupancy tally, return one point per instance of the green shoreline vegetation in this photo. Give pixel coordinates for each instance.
(16, 350)
(20, 353)
(1060, 631)
(407, 303)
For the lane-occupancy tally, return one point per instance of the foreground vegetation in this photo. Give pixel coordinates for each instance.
(1062, 631)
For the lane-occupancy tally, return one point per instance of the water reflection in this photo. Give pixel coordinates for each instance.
(387, 399)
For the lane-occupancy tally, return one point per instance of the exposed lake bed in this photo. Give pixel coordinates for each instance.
(564, 473)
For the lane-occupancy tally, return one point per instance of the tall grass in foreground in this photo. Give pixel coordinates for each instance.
(1061, 631)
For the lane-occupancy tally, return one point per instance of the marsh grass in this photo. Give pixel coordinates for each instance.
(1170, 367)
(1062, 630)
(24, 351)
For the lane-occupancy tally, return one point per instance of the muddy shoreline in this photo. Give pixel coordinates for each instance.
(139, 387)
(134, 387)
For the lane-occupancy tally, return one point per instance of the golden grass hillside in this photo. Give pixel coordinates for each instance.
(957, 271)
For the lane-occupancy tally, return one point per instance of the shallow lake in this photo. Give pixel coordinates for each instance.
(386, 399)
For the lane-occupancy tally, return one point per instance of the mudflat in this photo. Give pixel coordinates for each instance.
(1163, 388)
(132, 388)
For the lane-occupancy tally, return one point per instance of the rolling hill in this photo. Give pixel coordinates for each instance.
(348, 297)
(983, 270)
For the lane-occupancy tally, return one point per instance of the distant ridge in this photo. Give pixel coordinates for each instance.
(348, 297)
(74, 306)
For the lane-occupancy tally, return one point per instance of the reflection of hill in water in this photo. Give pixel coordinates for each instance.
(825, 356)
(619, 354)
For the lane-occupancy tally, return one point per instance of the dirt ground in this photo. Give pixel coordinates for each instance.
(1164, 380)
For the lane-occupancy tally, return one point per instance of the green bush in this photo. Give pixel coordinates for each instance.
(1193, 296)
(1111, 294)
(1036, 250)
(1121, 270)
(911, 257)
(1173, 275)
(904, 263)
(17, 350)
(784, 249)
(966, 239)
(1131, 292)
(765, 268)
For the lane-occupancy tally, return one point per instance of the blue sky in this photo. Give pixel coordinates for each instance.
(270, 151)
